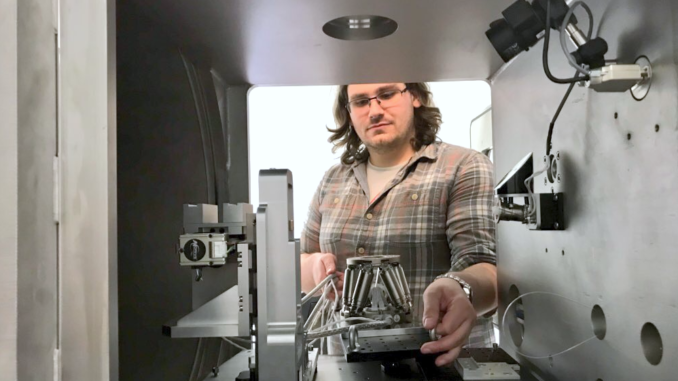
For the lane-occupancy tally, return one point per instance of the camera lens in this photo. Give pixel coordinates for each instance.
(504, 39)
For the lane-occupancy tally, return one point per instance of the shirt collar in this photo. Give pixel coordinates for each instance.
(428, 151)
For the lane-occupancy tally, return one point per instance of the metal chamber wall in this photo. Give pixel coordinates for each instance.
(618, 174)
(172, 150)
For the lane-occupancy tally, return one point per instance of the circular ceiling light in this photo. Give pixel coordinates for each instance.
(360, 28)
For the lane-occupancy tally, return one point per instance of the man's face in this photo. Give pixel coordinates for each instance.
(387, 125)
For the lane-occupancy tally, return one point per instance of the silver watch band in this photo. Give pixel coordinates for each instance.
(464, 284)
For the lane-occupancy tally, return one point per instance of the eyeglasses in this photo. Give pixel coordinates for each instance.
(386, 99)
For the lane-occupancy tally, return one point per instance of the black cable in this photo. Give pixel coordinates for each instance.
(555, 117)
(545, 53)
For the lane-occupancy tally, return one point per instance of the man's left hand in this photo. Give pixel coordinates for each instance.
(450, 312)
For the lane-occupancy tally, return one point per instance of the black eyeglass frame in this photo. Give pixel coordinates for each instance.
(376, 98)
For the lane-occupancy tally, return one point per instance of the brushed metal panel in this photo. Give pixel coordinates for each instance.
(88, 227)
(619, 178)
(37, 328)
(8, 189)
(261, 42)
(237, 151)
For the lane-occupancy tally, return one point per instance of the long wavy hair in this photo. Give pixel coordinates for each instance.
(427, 120)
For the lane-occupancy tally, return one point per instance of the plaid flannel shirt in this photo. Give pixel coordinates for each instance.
(436, 214)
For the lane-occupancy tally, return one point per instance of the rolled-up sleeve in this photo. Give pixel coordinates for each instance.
(470, 226)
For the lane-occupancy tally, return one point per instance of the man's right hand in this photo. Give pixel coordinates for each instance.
(316, 267)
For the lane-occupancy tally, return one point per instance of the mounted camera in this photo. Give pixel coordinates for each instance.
(524, 23)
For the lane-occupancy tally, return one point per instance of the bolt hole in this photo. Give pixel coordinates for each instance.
(651, 341)
(222, 230)
(598, 321)
(656, 128)
(616, 115)
(628, 136)
(563, 252)
(517, 317)
(546, 250)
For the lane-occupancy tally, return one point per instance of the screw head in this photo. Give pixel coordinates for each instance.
(556, 225)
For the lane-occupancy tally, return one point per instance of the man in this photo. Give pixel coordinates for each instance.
(398, 191)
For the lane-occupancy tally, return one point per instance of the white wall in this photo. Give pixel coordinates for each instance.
(287, 129)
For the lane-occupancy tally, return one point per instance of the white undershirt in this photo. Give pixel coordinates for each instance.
(379, 177)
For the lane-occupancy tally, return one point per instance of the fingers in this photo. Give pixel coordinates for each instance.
(432, 297)
(459, 311)
(329, 261)
(338, 284)
(449, 342)
(448, 357)
(455, 327)
(323, 265)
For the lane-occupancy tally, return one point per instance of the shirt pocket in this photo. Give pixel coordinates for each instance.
(336, 210)
(416, 216)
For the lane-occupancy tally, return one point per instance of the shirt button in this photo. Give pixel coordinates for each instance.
(369, 216)
(361, 250)
(336, 200)
(415, 196)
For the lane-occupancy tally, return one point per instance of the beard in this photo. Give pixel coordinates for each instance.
(383, 144)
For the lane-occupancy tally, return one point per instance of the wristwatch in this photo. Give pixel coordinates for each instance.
(464, 285)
